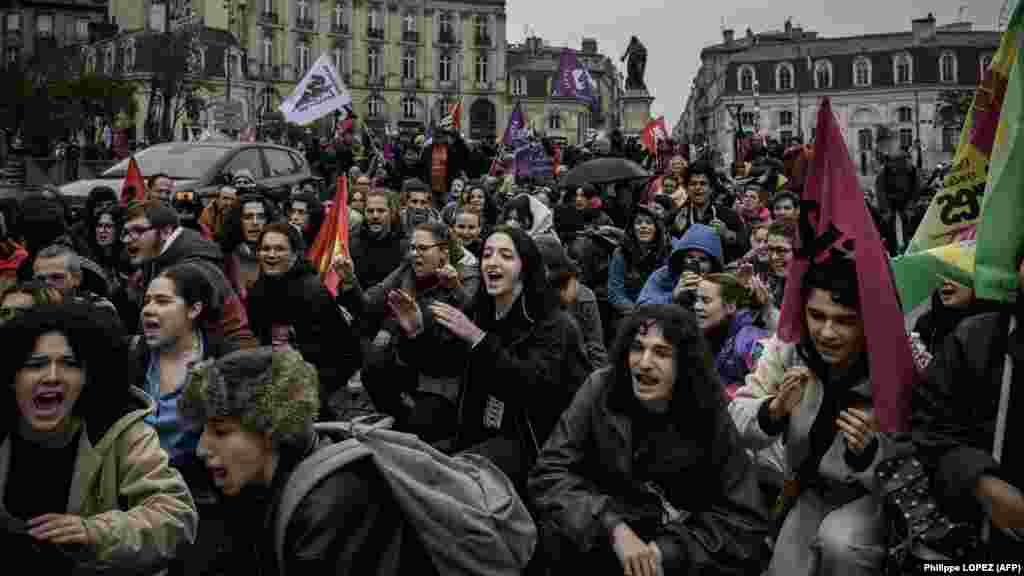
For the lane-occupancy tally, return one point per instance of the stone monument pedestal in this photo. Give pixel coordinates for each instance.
(636, 111)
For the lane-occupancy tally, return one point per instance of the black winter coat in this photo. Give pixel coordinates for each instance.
(605, 464)
(322, 335)
(375, 258)
(954, 416)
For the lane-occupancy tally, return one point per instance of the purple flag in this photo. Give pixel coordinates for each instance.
(516, 133)
(574, 80)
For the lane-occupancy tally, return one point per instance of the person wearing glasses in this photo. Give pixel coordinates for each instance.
(155, 241)
(396, 388)
(289, 307)
(61, 268)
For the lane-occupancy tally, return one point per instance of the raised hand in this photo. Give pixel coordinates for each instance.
(406, 310)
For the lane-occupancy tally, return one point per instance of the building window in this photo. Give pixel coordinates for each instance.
(785, 137)
(746, 79)
(906, 138)
(481, 27)
(784, 77)
(950, 138)
(409, 22)
(44, 25)
(747, 118)
(373, 19)
(409, 65)
(373, 62)
(905, 114)
(865, 139)
(108, 59)
(481, 68)
(129, 56)
(339, 16)
(268, 6)
(823, 75)
(11, 56)
(339, 60)
(986, 62)
(302, 57)
(903, 69)
(947, 67)
(14, 22)
(409, 108)
(82, 29)
(268, 51)
(785, 118)
(302, 9)
(555, 122)
(518, 86)
(862, 72)
(445, 72)
(374, 107)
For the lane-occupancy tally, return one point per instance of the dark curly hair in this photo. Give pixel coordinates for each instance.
(698, 397)
(97, 339)
(233, 236)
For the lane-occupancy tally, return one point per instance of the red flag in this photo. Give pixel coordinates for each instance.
(332, 239)
(832, 196)
(133, 179)
(654, 132)
(456, 113)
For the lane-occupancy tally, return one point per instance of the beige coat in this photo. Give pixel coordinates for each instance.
(137, 508)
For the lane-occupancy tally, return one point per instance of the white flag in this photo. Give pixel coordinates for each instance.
(320, 93)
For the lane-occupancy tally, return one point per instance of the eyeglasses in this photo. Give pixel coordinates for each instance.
(55, 278)
(422, 248)
(130, 234)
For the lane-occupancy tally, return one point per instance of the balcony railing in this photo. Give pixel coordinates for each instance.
(269, 18)
(483, 39)
(410, 82)
(410, 36)
(375, 80)
(446, 36)
(304, 24)
(375, 33)
(339, 28)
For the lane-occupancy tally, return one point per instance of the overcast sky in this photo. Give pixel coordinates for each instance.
(675, 31)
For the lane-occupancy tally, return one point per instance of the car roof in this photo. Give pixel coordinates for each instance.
(225, 144)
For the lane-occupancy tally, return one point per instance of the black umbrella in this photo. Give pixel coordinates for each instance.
(605, 171)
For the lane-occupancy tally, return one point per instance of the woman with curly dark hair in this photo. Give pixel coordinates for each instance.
(644, 473)
(85, 486)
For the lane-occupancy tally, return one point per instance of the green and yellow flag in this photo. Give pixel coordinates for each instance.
(954, 211)
(1000, 231)
(918, 275)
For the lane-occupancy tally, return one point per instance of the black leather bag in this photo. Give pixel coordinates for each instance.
(918, 528)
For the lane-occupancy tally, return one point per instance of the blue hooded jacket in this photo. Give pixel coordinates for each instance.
(658, 289)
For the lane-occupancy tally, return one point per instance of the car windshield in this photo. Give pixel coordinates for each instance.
(180, 162)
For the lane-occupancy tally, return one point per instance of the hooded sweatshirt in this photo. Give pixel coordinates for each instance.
(658, 289)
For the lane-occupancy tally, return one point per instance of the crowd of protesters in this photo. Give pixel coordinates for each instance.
(612, 349)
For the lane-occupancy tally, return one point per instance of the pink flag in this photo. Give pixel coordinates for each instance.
(835, 216)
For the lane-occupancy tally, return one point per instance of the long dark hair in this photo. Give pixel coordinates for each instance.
(539, 298)
(233, 236)
(97, 339)
(698, 397)
(633, 252)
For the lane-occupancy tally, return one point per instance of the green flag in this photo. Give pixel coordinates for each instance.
(1000, 232)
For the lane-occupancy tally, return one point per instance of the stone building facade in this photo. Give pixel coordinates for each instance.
(888, 90)
(532, 74)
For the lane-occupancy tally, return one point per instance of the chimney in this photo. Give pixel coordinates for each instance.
(789, 27)
(589, 45)
(923, 29)
(750, 33)
(728, 35)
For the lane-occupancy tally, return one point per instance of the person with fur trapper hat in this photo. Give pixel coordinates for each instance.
(257, 409)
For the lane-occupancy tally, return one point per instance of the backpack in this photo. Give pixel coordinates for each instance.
(464, 509)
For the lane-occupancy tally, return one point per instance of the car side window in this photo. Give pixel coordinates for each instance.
(298, 160)
(250, 159)
(280, 163)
